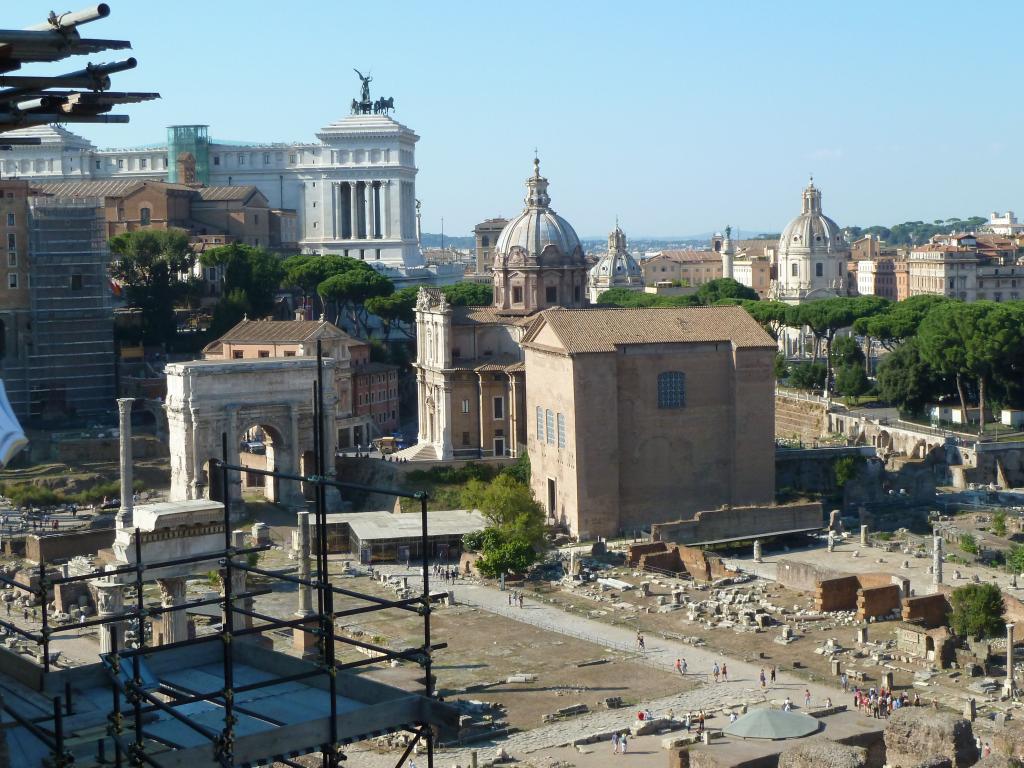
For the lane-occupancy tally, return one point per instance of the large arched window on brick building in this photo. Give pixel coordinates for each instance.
(671, 389)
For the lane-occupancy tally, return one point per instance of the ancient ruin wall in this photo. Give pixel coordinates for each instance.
(929, 611)
(800, 417)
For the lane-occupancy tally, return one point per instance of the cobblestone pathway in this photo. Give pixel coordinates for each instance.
(743, 685)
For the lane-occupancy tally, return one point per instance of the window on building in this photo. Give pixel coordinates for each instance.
(794, 270)
(12, 279)
(465, 406)
(499, 407)
(11, 219)
(241, 159)
(549, 427)
(291, 159)
(671, 389)
(98, 163)
(120, 162)
(551, 294)
(144, 216)
(289, 353)
(819, 269)
(263, 353)
(561, 430)
(266, 158)
(576, 294)
(517, 295)
(540, 423)
(256, 220)
(12, 258)
(216, 159)
(76, 282)
(12, 241)
(236, 354)
(143, 163)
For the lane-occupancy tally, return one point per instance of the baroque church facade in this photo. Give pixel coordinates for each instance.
(469, 363)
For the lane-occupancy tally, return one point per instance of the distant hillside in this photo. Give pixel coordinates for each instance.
(430, 240)
(916, 232)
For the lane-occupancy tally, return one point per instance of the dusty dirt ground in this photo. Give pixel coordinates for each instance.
(485, 648)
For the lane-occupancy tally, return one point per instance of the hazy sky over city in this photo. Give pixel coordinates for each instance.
(679, 117)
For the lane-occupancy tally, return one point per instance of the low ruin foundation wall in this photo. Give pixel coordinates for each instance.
(64, 546)
(837, 594)
(734, 523)
(636, 551)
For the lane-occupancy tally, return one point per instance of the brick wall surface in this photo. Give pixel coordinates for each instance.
(928, 611)
(877, 601)
(795, 419)
(838, 593)
(636, 551)
(62, 546)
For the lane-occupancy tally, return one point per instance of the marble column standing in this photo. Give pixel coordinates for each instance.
(109, 602)
(124, 514)
(936, 560)
(1008, 686)
(305, 593)
(173, 623)
(371, 208)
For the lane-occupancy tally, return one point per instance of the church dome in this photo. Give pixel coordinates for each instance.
(812, 231)
(617, 265)
(538, 235)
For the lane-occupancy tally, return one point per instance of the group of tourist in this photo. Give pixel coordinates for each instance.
(448, 575)
(515, 598)
(881, 703)
(620, 743)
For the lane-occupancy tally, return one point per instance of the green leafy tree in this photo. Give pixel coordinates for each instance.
(520, 471)
(969, 544)
(515, 531)
(254, 270)
(770, 314)
(229, 311)
(396, 311)
(306, 272)
(809, 376)
(513, 554)
(999, 523)
(978, 611)
(846, 351)
(467, 294)
(906, 379)
(851, 381)
(724, 288)
(1015, 560)
(780, 367)
(149, 263)
(351, 289)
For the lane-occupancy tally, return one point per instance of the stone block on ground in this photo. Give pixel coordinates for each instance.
(823, 754)
(915, 731)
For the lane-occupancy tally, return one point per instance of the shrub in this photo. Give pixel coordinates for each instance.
(999, 523)
(968, 544)
(845, 468)
(977, 611)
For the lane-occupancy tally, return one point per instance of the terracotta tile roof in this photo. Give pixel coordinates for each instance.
(483, 364)
(603, 330)
(216, 194)
(104, 188)
(488, 315)
(687, 256)
(280, 331)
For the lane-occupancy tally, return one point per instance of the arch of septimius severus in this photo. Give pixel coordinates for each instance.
(209, 398)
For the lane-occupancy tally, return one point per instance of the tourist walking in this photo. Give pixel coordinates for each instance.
(763, 681)
(640, 641)
(715, 671)
(679, 666)
(844, 681)
(725, 673)
(684, 665)
(772, 677)
(687, 720)
(624, 741)
(807, 698)
(615, 743)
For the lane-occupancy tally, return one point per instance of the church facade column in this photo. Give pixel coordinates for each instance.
(480, 412)
(445, 419)
(421, 406)
(174, 624)
(335, 208)
(513, 417)
(386, 218)
(109, 602)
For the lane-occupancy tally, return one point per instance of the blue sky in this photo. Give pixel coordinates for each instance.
(678, 117)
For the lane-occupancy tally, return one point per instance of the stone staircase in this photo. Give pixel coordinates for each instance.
(420, 452)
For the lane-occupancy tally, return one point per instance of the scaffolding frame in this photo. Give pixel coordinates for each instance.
(124, 666)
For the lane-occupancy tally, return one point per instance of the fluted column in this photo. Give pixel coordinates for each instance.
(305, 594)
(109, 602)
(124, 514)
(371, 211)
(174, 623)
